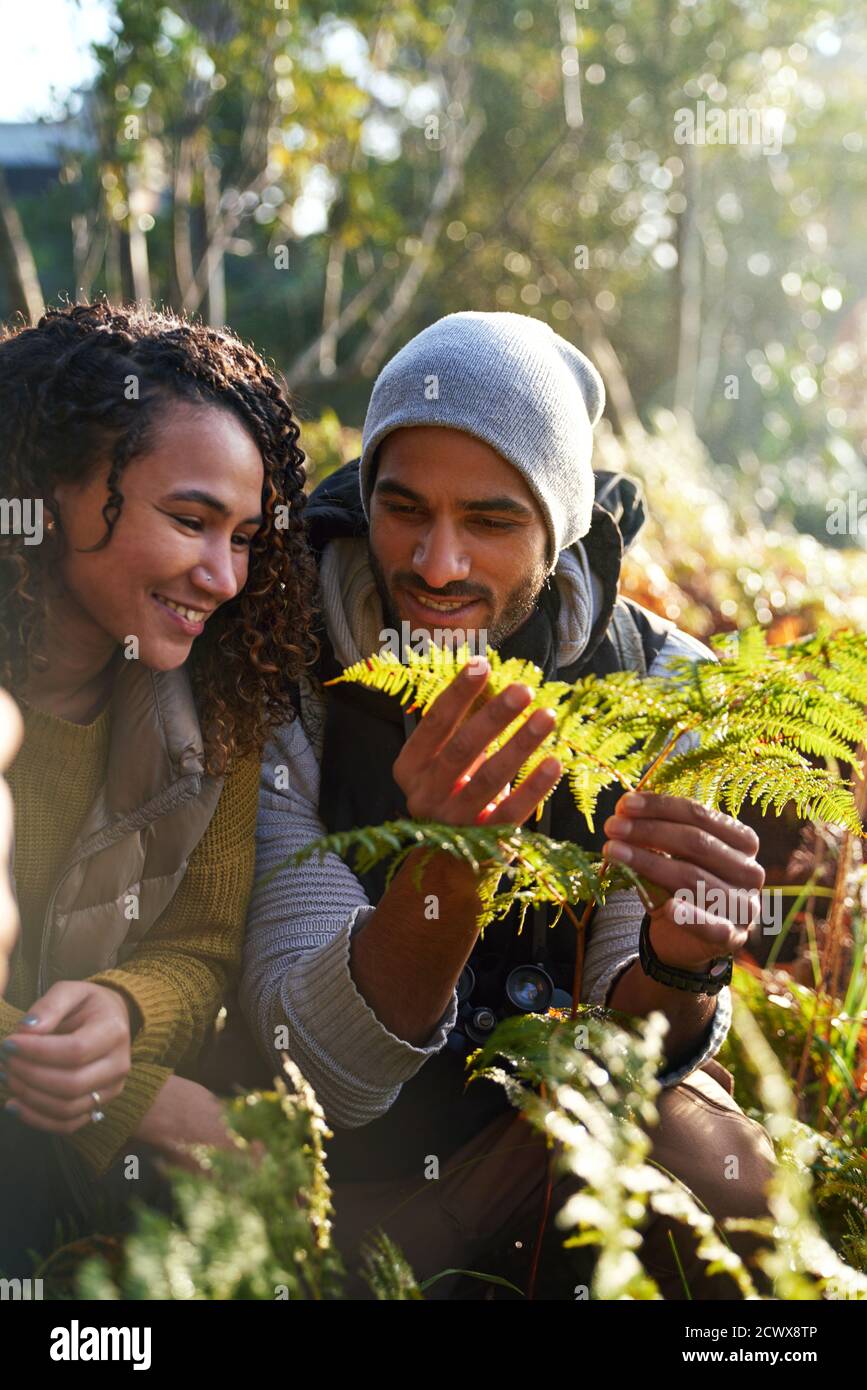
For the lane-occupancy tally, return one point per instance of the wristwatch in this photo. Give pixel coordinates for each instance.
(709, 981)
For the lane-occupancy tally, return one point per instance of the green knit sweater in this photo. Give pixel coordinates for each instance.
(178, 975)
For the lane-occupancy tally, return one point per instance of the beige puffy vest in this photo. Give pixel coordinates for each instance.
(133, 847)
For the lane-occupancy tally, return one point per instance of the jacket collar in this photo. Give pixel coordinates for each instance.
(155, 736)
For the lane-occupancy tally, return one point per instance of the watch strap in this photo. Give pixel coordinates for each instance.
(710, 981)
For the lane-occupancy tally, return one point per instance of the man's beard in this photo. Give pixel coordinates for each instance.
(516, 609)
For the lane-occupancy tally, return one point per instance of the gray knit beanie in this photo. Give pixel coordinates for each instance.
(512, 382)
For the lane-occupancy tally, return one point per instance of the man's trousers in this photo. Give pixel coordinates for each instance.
(484, 1210)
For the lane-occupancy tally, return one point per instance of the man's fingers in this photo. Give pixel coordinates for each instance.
(444, 716)
(520, 804)
(713, 934)
(686, 812)
(496, 772)
(463, 749)
(675, 874)
(688, 842)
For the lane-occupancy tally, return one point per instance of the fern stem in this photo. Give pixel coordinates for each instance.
(661, 757)
(833, 953)
(679, 1264)
(836, 915)
(805, 1055)
(580, 940)
(577, 983)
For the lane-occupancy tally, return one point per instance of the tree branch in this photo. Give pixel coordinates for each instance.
(25, 292)
(357, 307)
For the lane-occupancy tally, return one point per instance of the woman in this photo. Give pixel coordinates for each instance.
(154, 611)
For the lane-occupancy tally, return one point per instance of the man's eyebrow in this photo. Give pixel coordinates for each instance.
(207, 499)
(496, 504)
(399, 489)
(476, 504)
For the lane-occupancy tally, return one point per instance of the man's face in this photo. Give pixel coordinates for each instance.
(457, 540)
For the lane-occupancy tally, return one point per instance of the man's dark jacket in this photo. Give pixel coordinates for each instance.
(364, 732)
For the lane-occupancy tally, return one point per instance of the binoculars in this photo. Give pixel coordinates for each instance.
(528, 989)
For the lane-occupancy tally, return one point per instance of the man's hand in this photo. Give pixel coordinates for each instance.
(404, 963)
(10, 740)
(676, 844)
(443, 769)
(77, 1043)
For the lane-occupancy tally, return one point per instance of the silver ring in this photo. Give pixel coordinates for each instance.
(97, 1098)
(96, 1116)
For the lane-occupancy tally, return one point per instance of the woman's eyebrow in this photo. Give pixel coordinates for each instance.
(207, 499)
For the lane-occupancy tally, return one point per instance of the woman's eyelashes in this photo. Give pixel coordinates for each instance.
(196, 525)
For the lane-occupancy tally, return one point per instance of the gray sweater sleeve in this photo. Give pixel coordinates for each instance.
(613, 944)
(296, 988)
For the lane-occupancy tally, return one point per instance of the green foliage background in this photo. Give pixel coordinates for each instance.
(467, 156)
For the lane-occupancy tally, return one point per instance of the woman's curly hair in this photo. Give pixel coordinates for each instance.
(65, 402)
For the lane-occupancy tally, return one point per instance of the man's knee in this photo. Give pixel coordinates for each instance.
(706, 1141)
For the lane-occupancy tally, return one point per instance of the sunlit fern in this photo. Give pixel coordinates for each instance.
(759, 715)
(592, 1086)
(756, 720)
(514, 866)
(846, 1187)
(798, 1259)
(238, 1229)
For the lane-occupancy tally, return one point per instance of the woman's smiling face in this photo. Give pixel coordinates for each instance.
(180, 546)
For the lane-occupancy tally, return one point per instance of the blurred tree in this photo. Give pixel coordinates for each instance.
(332, 184)
(22, 280)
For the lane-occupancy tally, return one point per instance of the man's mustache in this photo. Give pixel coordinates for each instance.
(408, 581)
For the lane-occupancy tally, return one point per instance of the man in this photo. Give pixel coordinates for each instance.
(473, 508)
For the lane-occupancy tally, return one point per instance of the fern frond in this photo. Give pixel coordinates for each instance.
(426, 675)
(535, 867)
(387, 1273)
(773, 775)
(592, 1085)
(759, 714)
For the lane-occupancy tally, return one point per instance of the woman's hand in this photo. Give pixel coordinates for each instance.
(75, 1041)
(184, 1113)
